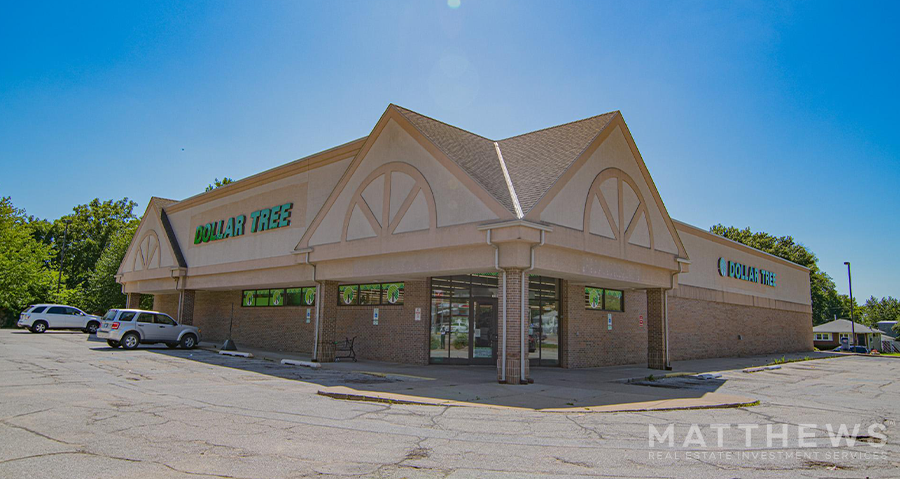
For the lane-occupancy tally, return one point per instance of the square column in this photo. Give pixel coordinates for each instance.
(133, 301)
(657, 334)
(327, 326)
(516, 296)
(186, 307)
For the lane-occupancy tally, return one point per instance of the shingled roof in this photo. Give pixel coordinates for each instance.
(534, 161)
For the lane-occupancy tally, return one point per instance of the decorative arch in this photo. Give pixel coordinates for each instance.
(383, 200)
(624, 211)
(147, 254)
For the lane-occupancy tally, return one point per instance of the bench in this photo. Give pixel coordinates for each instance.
(344, 349)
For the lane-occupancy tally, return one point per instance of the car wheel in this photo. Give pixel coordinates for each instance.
(188, 341)
(39, 327)
(112, 344)
(92, 327)
(171, 345)
(131, 341)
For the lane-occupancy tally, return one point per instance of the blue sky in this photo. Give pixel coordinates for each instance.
(777, 116)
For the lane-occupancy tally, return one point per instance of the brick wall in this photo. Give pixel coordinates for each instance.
(587, 342)
(706, 329)
(281, 328)
(398, 337)
(166, 303)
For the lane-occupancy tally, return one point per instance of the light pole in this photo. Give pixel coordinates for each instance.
(62, 258)
(852, 324)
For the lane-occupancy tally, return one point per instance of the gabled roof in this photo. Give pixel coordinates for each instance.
(536, 160)
(533, 161)
(843, 326)
(475, 154)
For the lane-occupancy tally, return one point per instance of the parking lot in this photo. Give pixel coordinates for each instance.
(76, 408)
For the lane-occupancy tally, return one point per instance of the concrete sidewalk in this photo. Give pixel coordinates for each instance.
(555, 389)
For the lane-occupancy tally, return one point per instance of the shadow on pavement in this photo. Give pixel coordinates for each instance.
(552, 388)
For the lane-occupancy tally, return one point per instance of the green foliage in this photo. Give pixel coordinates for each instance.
(103, 292)
(884, 309)
(218, 184)
(91, 227)
(26, 275)
(826, 302)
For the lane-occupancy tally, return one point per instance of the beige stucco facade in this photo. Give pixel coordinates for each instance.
(408, 203)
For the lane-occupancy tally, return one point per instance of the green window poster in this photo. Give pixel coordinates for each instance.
(348, 294)
(249, 297)
(594, 298)
(392, 293)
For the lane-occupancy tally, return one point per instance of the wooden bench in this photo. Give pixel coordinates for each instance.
(344, 349)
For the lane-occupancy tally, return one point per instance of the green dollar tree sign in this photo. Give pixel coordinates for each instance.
(310, 296)
(348, 295)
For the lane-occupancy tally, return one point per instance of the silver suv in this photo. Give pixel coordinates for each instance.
(41, 317)
(131, 327)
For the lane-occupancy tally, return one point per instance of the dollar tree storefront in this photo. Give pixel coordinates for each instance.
(427, 244)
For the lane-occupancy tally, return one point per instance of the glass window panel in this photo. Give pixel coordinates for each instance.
(593, 298)
(440, 328)
(550, 332)
(459, 330)
(276, 297)
(348, 294)
(484, 285)
(293, 297)
(392, 293)
(249, 298)
(441, 287)
(612, 300)
(262, 297)
(460, 286)
(126, 316)
(145, 318)
(164, 319)
(309, 296)
(370, 294)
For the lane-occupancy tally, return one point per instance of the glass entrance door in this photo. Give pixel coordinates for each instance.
(464, 332)
(484, 331)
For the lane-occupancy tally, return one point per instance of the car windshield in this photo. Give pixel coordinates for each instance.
(110, 315)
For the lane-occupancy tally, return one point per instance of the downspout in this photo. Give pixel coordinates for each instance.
(524, 345)
(315, 351)
(503, 307)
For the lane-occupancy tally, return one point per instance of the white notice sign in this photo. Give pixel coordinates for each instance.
(375, 316)
(418, 314)
(308, 315)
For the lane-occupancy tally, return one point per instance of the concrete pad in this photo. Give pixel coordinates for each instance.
(707, 401)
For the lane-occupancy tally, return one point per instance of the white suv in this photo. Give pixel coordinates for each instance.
(41, 317)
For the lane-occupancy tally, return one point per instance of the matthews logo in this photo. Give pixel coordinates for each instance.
(736, 270)
(260, 220)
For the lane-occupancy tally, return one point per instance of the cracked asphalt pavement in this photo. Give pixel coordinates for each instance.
(75, 408)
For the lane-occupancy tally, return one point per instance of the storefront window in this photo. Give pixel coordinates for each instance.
(604, 299)
(453, 336)
(543, 333)
(374, 294)
(279, 297)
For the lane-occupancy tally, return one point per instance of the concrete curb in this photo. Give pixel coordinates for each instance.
(707, 401)
(236, 353)
(306, 364)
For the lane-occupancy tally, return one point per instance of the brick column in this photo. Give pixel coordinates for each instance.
(657, 352)
(515, 291)
(186, 307)
(133, 300)
(328, 299)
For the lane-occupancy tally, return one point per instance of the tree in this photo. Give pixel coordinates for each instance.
(826, 302)
(90, 230)
(884, 309)
(102, 291)
(26, 275)
(218, 184)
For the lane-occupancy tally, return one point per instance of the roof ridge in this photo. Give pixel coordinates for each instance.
(442, 123)
(560, 125)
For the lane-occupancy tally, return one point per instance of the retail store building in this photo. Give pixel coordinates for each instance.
(430, 244)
